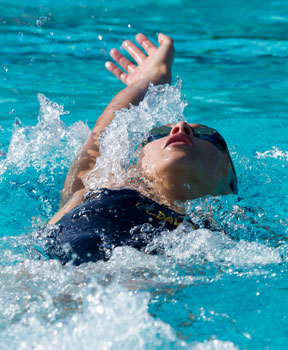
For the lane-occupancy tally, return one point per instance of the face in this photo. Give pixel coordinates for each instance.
(185, 164)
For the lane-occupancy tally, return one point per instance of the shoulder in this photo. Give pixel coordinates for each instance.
(73, 202)
(101, 194)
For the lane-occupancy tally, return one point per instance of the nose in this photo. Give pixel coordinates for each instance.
(182, 127)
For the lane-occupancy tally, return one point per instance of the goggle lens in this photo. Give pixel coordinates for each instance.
(202, 132)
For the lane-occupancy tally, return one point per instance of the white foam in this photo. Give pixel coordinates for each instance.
(48, 144)
(66, 308)
(275, 152)
(203, 245)
(215, 344)
(52, 306)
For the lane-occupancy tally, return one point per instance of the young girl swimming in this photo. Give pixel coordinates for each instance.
(177, 162)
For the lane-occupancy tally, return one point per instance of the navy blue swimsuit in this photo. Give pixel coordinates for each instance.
(107, 219)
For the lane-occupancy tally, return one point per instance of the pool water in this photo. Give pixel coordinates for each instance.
(209, 290)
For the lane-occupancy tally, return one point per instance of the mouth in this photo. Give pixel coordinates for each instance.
(178, 140)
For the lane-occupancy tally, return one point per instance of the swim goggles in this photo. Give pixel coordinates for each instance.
(203, 133)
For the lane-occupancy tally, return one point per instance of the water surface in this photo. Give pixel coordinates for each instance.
(209, 290)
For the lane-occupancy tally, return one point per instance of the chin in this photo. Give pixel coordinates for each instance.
(179, 165)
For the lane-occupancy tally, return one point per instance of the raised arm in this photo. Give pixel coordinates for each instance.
(153, 66)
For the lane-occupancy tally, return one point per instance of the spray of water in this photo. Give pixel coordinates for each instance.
(46, 145)
(162, 105)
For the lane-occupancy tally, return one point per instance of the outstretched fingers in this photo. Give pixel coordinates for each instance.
(127, 65)
(147, 58)
(119, 74)
(134, 51)
(122, 61)
(147, 45)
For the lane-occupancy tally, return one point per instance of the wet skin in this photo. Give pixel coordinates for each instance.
(186, 165)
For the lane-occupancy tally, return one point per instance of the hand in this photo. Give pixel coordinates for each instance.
(155, 67)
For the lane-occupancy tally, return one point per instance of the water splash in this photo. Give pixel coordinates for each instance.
(119, 144)
(48, 144)
(275, 152)
(239, 220)
(71, 308)
(34, 168)
(204, 246)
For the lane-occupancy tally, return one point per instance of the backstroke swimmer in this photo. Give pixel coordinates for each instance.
(179, 162)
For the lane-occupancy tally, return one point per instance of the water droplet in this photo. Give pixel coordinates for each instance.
(100, 309)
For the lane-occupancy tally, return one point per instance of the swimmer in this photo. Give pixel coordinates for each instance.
(179, 162)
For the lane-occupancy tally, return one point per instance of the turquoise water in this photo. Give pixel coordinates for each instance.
(209, 290)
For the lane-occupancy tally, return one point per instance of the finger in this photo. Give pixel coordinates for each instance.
(134, 51)
(123, 61)
(147, 45)
(166, 44)
(165, 40)
(119, 74)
